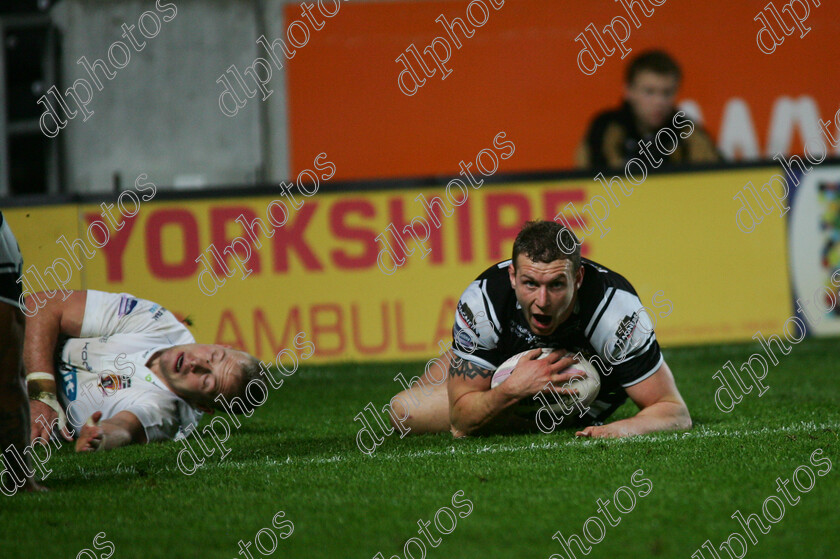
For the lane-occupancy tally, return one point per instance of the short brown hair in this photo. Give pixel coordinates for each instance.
(656, 61)
(541, 242)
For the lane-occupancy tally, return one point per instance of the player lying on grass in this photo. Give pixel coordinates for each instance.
(545, 297)
(14, 406)
(129, 367)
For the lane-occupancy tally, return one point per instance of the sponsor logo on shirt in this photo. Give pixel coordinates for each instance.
(127, 305)
(463, 340)
(623, 334)
(157, 311)
(467, 316)
(85, 357)
(110, 383)
(68, 377)
(522, 332)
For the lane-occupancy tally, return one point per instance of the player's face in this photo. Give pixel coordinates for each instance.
(200, 372)
(545, 291)
(652, 97)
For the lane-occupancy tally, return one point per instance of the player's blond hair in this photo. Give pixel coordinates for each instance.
(251, 370)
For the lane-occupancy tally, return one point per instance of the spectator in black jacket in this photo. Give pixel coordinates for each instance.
(651, 85)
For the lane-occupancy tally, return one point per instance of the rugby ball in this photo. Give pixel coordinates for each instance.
(587, 386)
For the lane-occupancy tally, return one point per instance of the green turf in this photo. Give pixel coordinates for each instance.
(297, 454)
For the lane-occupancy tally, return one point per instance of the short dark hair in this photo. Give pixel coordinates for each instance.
(656, 61)
(541, 242)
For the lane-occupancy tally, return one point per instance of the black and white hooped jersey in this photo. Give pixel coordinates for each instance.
(608, 324)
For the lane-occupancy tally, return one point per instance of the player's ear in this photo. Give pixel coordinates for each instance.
(512, 274)
(579, 277)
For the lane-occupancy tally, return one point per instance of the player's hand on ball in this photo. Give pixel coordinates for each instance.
(92, 436)
(39, 429)
(532, 373)
(561, 380)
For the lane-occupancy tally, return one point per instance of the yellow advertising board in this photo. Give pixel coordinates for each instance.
(321, 273)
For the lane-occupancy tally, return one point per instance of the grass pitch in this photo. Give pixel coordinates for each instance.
(297, 454)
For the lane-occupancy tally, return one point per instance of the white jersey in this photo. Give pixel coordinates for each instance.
(105, 368)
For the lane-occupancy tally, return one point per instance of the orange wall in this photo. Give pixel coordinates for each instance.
(519, 73)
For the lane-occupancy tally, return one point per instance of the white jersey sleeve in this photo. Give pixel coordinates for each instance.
(107, 314)
(622, 334)
(162, 414)
(476, 330)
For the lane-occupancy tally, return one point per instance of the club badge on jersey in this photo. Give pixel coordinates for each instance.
(110, 383)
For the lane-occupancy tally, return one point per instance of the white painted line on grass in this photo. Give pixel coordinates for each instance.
(697, 433)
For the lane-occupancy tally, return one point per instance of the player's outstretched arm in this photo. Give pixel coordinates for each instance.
(43, 327)
(121, 430)
(661, 408)
(473, 404)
